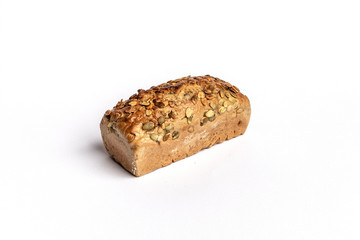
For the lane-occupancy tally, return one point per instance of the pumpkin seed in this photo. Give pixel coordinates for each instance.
(159, 104)
(233, 94)
(203, 101)
(209, 96)
(222, 110)
(148, 126)
(225, 104)
(108, 112)
(161, 120)
(234, 89)
(212, 105)
(221, 102)
(231, 99)
(147, 103)
(240, 110)
(171, 103)
(221, 93)
(209, 113)
(188, 95)
(131, 137)
(148, 112)
(188, 112)
(228, 84)
(201, 95)
(169, 128)
(154, 137)
(132, 103)
(208, 91)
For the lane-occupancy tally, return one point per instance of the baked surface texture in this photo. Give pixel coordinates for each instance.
(172, 121)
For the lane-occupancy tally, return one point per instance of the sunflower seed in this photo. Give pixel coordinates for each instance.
(194, 99)
(166, 137)
(175, 135)
(203, 121)
(172, 114)
(189, 119)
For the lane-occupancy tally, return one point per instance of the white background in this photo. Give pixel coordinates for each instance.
(295, 174)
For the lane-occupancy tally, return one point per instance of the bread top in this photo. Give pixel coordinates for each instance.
(176, 107)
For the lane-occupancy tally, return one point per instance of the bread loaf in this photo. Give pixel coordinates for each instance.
(173, 120)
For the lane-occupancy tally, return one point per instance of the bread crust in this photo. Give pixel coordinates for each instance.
(173, 120)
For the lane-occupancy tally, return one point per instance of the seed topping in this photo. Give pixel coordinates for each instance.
(148, 126)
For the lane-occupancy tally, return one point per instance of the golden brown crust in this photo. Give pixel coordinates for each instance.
(173, 110)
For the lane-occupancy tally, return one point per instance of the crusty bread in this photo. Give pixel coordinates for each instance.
(174, 120)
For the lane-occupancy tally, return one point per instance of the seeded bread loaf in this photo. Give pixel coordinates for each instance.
(174, 120)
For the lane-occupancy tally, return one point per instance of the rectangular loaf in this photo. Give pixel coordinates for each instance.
(174, 120)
